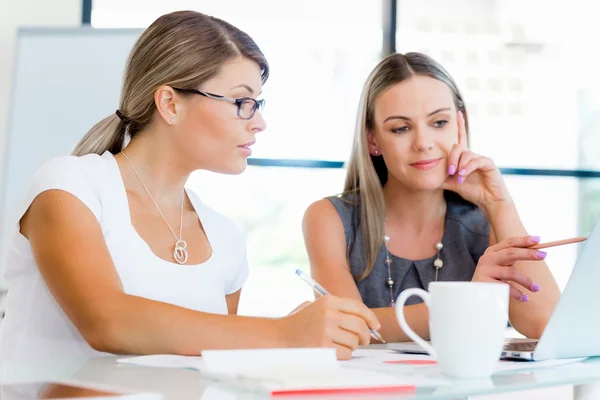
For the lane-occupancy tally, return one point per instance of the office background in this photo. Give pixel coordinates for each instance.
(528, 72)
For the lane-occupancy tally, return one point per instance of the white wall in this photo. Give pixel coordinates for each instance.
(30, 13)
(25, 13)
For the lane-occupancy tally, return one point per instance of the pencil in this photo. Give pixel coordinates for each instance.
(558, 242)
(321, 290)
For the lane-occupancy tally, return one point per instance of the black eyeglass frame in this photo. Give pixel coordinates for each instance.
(257, 104)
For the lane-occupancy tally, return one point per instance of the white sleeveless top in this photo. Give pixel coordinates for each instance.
(35, 327)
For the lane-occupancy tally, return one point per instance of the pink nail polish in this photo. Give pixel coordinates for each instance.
(451, 169)
(524, 298)
(534, 239)
(535, 287)
(461, 179)
(462, 172)
(541, 254)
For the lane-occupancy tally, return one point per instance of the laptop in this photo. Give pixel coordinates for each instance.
(574, 327)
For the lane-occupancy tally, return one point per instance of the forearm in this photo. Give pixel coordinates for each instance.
(135, 325)
(505, 220)
(417, 317)
(531, 317)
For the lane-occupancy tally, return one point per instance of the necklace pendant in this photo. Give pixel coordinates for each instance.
(180, 253)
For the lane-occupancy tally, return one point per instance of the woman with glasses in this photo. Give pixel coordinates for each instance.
(112, 254)
(419, 207)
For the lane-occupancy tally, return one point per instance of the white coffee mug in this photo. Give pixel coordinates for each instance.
(467, 322)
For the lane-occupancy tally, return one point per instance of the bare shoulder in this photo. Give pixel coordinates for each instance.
(322, 225)
(321, 211)
(59, 209)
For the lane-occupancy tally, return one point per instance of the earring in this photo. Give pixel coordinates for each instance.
(376, 152)
(171, 120)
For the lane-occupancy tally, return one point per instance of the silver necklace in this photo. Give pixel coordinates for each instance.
(180, 252)
(437, 264)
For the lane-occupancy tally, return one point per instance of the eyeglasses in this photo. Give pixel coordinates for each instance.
(246, 106)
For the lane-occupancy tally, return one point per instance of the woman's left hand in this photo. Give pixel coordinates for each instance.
(474, 177)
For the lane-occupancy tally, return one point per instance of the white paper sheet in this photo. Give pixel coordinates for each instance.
(393, 362)
(277, 370)
(248, 361)
(274, 370)
(165, 361)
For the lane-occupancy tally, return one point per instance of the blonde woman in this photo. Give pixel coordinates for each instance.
(418, 206)
(113, 255)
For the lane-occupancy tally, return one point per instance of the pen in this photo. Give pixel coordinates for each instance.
(558, 242)
(321, 290)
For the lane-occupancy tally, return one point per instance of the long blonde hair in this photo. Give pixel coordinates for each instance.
(182, 49)
(367, 174)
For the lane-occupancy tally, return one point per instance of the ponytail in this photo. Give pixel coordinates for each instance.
(108, 134)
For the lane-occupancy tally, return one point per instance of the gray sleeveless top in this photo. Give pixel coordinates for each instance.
(465, 239)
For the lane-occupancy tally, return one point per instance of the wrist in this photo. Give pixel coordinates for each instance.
(280, 332)
(505, 221)
(497, 209)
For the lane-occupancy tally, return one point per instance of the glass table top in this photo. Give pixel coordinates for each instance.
(190, 384)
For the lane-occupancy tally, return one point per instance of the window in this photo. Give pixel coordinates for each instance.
(533, 100)
(316, 57)
(532, 94)
(269, 202)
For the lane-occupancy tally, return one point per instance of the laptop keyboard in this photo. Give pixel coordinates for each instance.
(520, 346)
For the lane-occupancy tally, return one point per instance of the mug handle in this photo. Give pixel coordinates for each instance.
(402, 320)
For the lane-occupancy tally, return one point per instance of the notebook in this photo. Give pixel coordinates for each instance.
(282, 371)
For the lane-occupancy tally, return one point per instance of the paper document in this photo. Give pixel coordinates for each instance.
(165, 361)
(282, 371)
(247, 361)
(393, 362)
(317, 371)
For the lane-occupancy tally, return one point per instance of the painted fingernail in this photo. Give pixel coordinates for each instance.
(462, 172)
(535, 287)
(534, 239)
(461, 179)
(451, 169)
(524, 298)
(540, 254)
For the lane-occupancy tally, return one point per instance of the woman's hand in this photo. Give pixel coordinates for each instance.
(330, 322)
(474, 177)
(300, 307)
(497, 265)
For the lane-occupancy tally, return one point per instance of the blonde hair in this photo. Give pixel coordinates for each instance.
(367, 174)
(182, 49)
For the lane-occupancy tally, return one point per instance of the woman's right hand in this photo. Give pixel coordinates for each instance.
(497, 265)
(331, 322)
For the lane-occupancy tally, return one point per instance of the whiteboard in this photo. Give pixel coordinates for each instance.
(65, 80)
